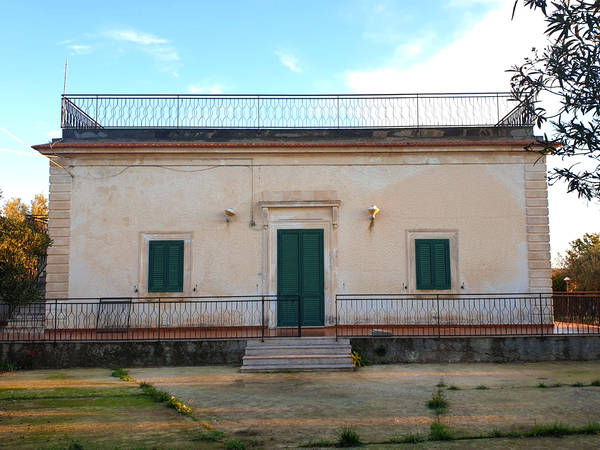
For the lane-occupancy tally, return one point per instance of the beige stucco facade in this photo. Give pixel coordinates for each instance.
(107, 203)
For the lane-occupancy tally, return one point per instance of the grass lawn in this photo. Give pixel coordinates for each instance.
(395, 406)
(89, 409)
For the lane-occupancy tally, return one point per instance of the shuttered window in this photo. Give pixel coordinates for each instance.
(433, 263)
(165, 266)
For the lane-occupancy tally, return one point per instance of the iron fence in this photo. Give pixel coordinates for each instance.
(83, 111)
(156, 319)
(466, 315)
(255, 317)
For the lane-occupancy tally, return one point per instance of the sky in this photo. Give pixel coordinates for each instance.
(259, 46)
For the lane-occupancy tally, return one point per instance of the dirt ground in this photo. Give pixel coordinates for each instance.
(380, 402)
(54, 408)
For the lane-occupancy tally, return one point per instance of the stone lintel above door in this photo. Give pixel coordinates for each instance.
(299, 199)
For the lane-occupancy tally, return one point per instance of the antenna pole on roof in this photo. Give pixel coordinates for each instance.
(66, 68)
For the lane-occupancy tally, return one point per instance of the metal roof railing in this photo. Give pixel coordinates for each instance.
(84, 111)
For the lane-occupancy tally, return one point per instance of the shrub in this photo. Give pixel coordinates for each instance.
(542, 385)
(482, 387)
(348, 438)
(440, 432)
(596, 382)
(437, 402)
(235, 444)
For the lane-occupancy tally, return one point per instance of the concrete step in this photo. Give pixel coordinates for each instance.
(298, 368)
(288, 350)
(297, 354)
(290, 342)
(297, 359)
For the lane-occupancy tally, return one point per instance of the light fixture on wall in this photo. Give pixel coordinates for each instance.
(373, 210)
(229, 213)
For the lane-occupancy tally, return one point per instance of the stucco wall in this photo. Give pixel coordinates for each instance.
(481, 196)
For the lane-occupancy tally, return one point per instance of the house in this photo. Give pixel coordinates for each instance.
(312, 197)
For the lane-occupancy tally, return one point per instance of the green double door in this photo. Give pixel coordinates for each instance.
(300, 275)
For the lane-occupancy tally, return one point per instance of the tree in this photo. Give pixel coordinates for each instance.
(567, 70)
(582, 263)
(22, 244)
(39, 205)
(15, 209)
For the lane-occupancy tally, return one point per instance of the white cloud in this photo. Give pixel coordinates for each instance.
(288, 60)
(137, 37)
(54, 134)
(161, 50)
(213, 89)
(80, 49)
(475, 61)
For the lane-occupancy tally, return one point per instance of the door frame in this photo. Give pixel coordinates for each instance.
(300, 232)
(309, 216)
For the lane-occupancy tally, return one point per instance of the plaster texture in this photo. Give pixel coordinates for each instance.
(107, 202)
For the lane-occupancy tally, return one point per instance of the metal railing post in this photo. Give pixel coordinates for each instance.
(338, 110)
(299, 316)
(258, 112)
(177, 111)
(96, 116)
(159, 319)
(437, 296)
(417, 110)
(336, 317)
(541, 314)
(262, 319)
(55, 317)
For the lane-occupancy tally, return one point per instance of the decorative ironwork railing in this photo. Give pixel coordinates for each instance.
(466, 315)
(292, 111)
(255, 317)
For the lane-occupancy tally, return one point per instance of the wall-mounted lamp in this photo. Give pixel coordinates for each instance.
(229, 213)
(373, 210)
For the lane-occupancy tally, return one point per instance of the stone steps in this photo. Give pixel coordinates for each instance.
(297, 354)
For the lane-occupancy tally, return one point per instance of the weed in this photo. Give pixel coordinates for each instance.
(578, 384)
(235, 444)
(556, 429)
(542, 385)
(440, 432)
(482, 387)
(595, 382)
(437, 402)
(348, 438)
(153, 393)
(177, 405)
(441, 384)
(560, 429)
(358, 360)
(556, 385)
(6, 366)
(118, 372)
(408, 439)
(211, 436)
(453, 388)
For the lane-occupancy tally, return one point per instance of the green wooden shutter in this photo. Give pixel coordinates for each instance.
(432, 261)
(165, 266)
(440, 256)
(423, 264)
(288, 276)
(312, 277)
